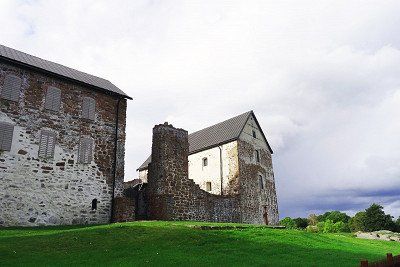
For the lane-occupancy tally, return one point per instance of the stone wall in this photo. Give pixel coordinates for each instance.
(171, 194)
(36, 191)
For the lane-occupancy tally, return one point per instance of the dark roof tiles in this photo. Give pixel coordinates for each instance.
(21, 57)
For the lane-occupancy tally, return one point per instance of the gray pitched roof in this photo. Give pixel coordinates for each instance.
(22, 58)
(215, 135)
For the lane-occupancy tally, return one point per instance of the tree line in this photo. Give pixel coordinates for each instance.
(369, 220)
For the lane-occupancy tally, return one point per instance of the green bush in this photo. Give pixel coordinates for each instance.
(341, 227)
(288, 222)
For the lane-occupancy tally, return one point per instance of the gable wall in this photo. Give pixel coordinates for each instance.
(254, 199)
(36, 191)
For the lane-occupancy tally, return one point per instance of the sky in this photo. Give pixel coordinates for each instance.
(323, 78)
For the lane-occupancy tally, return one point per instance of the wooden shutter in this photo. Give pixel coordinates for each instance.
(85, 152)
(53, 99)
(6, 135)
(11, 88)
(47, 144)
(88, 108)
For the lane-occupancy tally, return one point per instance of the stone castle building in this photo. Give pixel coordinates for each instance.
(62, 149)
(62, 136)
(222, 173)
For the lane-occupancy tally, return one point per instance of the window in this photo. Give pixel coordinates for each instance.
(94, 204)
(53, 99)
(85, 151)
(254, 134)
(208, 186)
(11, 88)
(88, 108)
(6, 135)
(261, 181)
(257, 156)
(205, 162)
(47, 144)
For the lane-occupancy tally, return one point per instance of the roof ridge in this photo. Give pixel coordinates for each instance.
(248, 112)
(53, 62)
(50, 67)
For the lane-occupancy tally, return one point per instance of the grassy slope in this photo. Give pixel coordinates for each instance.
(170, 243)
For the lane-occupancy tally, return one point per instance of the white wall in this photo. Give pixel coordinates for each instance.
(211, 173)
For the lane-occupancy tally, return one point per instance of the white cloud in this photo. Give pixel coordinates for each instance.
(322, 77)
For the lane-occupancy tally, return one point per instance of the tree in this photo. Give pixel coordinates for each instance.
(357, 222)
(335, 216)
(398, 225)
(376, 219)
(312, 219)
(288, 222)
(301, 223)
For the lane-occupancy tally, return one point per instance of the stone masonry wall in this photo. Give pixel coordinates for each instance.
(36, 191)
(255, 200)
(171, 194)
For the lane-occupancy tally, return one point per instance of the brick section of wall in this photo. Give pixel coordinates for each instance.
(257, 204)
(171, 194)
(35, 191)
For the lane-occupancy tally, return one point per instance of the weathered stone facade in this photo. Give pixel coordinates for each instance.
(171, 194)
(237, 182)
(36, 191)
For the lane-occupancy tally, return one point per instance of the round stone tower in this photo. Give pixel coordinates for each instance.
(168, 173)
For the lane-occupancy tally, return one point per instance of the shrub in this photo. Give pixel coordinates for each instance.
(335, 216)
(288, 222)
(328, 226)
(301, 223)
(340, 227)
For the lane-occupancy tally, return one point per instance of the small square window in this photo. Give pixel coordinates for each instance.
(205, 162)
(208, 186)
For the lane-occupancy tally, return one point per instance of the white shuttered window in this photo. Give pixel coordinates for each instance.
(47, 144)
(6, 135)
(88, 108)
(85, 153)
(11, 88)
(53, 99)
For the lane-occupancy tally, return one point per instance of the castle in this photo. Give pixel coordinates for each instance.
(62, 149)
(222, 173)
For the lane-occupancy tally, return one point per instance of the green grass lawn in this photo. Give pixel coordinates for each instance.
(178, 243)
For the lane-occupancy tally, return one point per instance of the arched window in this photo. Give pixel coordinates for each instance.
(94, 204)
(205, 162)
